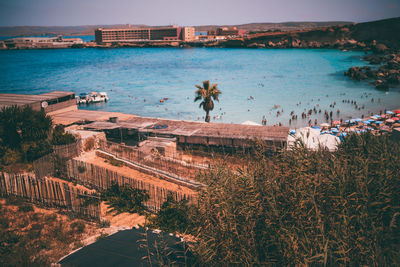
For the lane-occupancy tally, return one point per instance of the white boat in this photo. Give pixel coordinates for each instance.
(83, 98)
(96, 97)
(93, 97)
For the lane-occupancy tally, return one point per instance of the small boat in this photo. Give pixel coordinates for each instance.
(93, 97)
(98, 97)
(83, 98)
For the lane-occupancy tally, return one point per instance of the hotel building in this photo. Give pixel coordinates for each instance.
(173, 33)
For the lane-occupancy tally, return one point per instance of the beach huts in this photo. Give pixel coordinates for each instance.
(193, 134)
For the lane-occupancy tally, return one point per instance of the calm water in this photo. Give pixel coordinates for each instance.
(137, 78)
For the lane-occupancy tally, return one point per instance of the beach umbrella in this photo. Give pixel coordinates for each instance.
(366, 122)
(316, 127)
(334, 130)
(335, 122)
(292, 132)
(376, 116)
(390, 121)
(397, 111)
(378, 122)
(371, 120)
(324, 124)
(358, 119)
(389, 112)
(395, 118)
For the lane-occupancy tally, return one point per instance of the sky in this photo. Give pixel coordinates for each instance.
(189, 12)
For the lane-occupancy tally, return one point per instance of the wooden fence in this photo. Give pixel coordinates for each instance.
(50, 193)
(45, 165)
(69, 150)
(101, 178)
(171, 165)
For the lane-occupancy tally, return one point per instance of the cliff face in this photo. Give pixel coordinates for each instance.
(383, 31)
(352, 36)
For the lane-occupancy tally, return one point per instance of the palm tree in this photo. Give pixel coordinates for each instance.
(207, 93)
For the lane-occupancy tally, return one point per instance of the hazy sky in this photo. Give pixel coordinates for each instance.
(189, 12)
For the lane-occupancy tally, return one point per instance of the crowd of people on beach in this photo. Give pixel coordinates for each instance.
(377, 124)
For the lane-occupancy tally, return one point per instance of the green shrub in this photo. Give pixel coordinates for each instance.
(11, 157)
(125, 198)
(173, 216)
(115, 162)
(35, 150)
(60, 137)
(104, 224)
(26, 208)
(23, 135)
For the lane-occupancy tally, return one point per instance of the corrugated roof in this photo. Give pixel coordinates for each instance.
(200, 129)
(20, 99)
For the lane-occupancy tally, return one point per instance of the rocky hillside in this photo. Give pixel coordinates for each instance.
(383, 31)
(364, 36)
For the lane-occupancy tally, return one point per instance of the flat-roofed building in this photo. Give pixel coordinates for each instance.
(49, 102)
(227, 31)
(42, 42)
(188, 34)
(172, 33)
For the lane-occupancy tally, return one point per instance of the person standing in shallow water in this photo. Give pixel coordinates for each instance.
(264, 121)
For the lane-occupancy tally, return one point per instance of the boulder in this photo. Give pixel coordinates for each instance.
(356, 73)
(380, 48)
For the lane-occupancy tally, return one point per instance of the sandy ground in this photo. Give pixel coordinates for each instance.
(124, 219)
(71, 116)
(91, 157)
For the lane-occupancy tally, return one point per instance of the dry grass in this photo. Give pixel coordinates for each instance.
(305, 208)
(37, 237)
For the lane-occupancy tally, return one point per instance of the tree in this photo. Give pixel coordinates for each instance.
(23, 134)
(22, 124)
(207, 94)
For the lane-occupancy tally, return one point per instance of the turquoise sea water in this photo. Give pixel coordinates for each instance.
(137, 78)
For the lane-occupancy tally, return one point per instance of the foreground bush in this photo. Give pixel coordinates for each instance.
(23, 135)
(125, 198)
(173, 216)
(305, 208)
(60, 137)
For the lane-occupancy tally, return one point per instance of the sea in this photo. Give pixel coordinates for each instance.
(275, 83)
